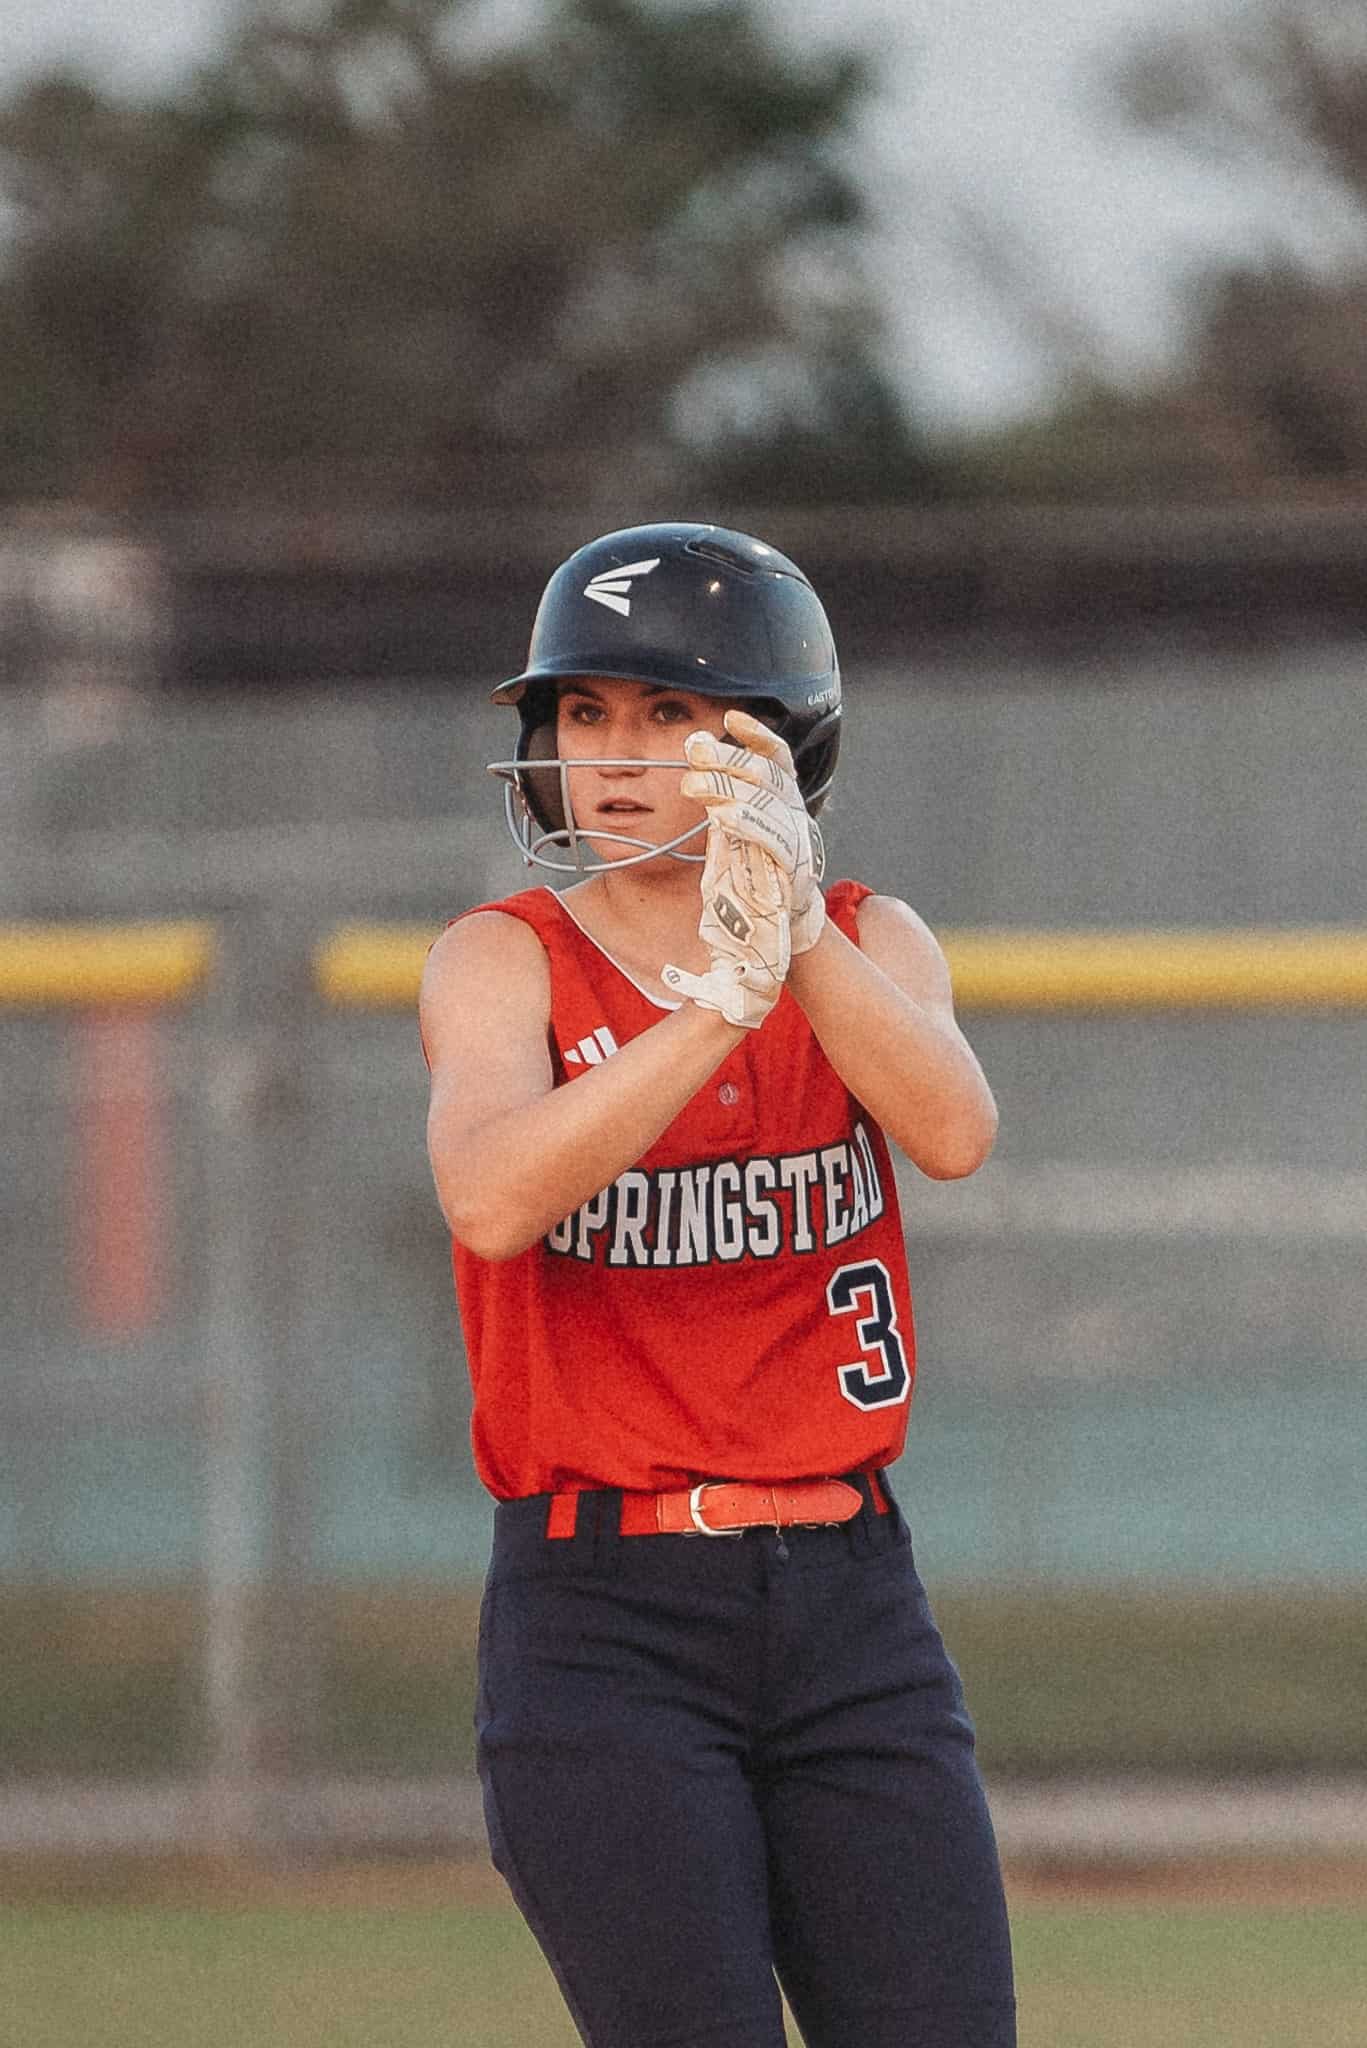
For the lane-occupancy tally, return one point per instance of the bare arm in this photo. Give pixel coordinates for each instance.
(883, 1012)
(512, 1154)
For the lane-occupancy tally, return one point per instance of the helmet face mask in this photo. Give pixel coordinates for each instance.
(694, 608)
(538, 812)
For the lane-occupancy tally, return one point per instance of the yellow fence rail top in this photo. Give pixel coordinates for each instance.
(373, 966)
(1244, 969)
(88, 966)
(380, 966)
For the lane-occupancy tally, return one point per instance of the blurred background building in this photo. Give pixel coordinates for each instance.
(321, 350)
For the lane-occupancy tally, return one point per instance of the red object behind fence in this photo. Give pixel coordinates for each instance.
(120, 1171)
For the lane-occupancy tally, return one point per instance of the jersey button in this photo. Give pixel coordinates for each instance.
(728, 1094)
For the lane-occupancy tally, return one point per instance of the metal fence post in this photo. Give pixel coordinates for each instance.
(234, 1406)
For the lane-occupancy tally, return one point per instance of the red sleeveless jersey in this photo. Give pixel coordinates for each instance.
(736, 1305)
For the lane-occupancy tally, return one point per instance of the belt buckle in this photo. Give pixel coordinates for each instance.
(700, 1527)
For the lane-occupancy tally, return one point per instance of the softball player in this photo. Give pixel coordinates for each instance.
(720, 1739)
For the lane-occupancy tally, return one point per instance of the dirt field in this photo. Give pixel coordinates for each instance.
(1265, 1883)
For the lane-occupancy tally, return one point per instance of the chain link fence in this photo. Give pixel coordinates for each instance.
(240, 1539)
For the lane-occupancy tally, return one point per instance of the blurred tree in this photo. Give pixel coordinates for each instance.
(1275, 386)
(364, 243)
(1281, 87)
(106, 203)
(1270, 389)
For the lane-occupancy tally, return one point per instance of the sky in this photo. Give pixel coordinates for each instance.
(991, 114)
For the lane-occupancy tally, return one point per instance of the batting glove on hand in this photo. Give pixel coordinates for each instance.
(744, 925)
(751, 792)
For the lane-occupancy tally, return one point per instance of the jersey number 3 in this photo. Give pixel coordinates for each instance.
(865, 1290)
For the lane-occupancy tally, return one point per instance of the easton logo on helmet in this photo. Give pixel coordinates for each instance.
(612, 587)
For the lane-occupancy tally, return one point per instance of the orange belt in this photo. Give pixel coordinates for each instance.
(725, 1507)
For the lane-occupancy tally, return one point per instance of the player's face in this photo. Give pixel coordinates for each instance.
(634, 725)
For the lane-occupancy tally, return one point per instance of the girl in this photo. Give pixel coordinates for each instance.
(719, 1737)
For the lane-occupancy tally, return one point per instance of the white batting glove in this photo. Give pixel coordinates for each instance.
(751, 792)
(744, 925)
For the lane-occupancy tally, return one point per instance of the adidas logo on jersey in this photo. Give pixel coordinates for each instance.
(593, 1050)
(612, 587)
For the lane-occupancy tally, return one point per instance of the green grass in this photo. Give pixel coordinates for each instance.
(1227, 1978)
(144, 1977)
(1070, 1681)
(344, 1977)
(1061, 1681)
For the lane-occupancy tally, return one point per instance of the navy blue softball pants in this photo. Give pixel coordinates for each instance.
(713, 1762)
